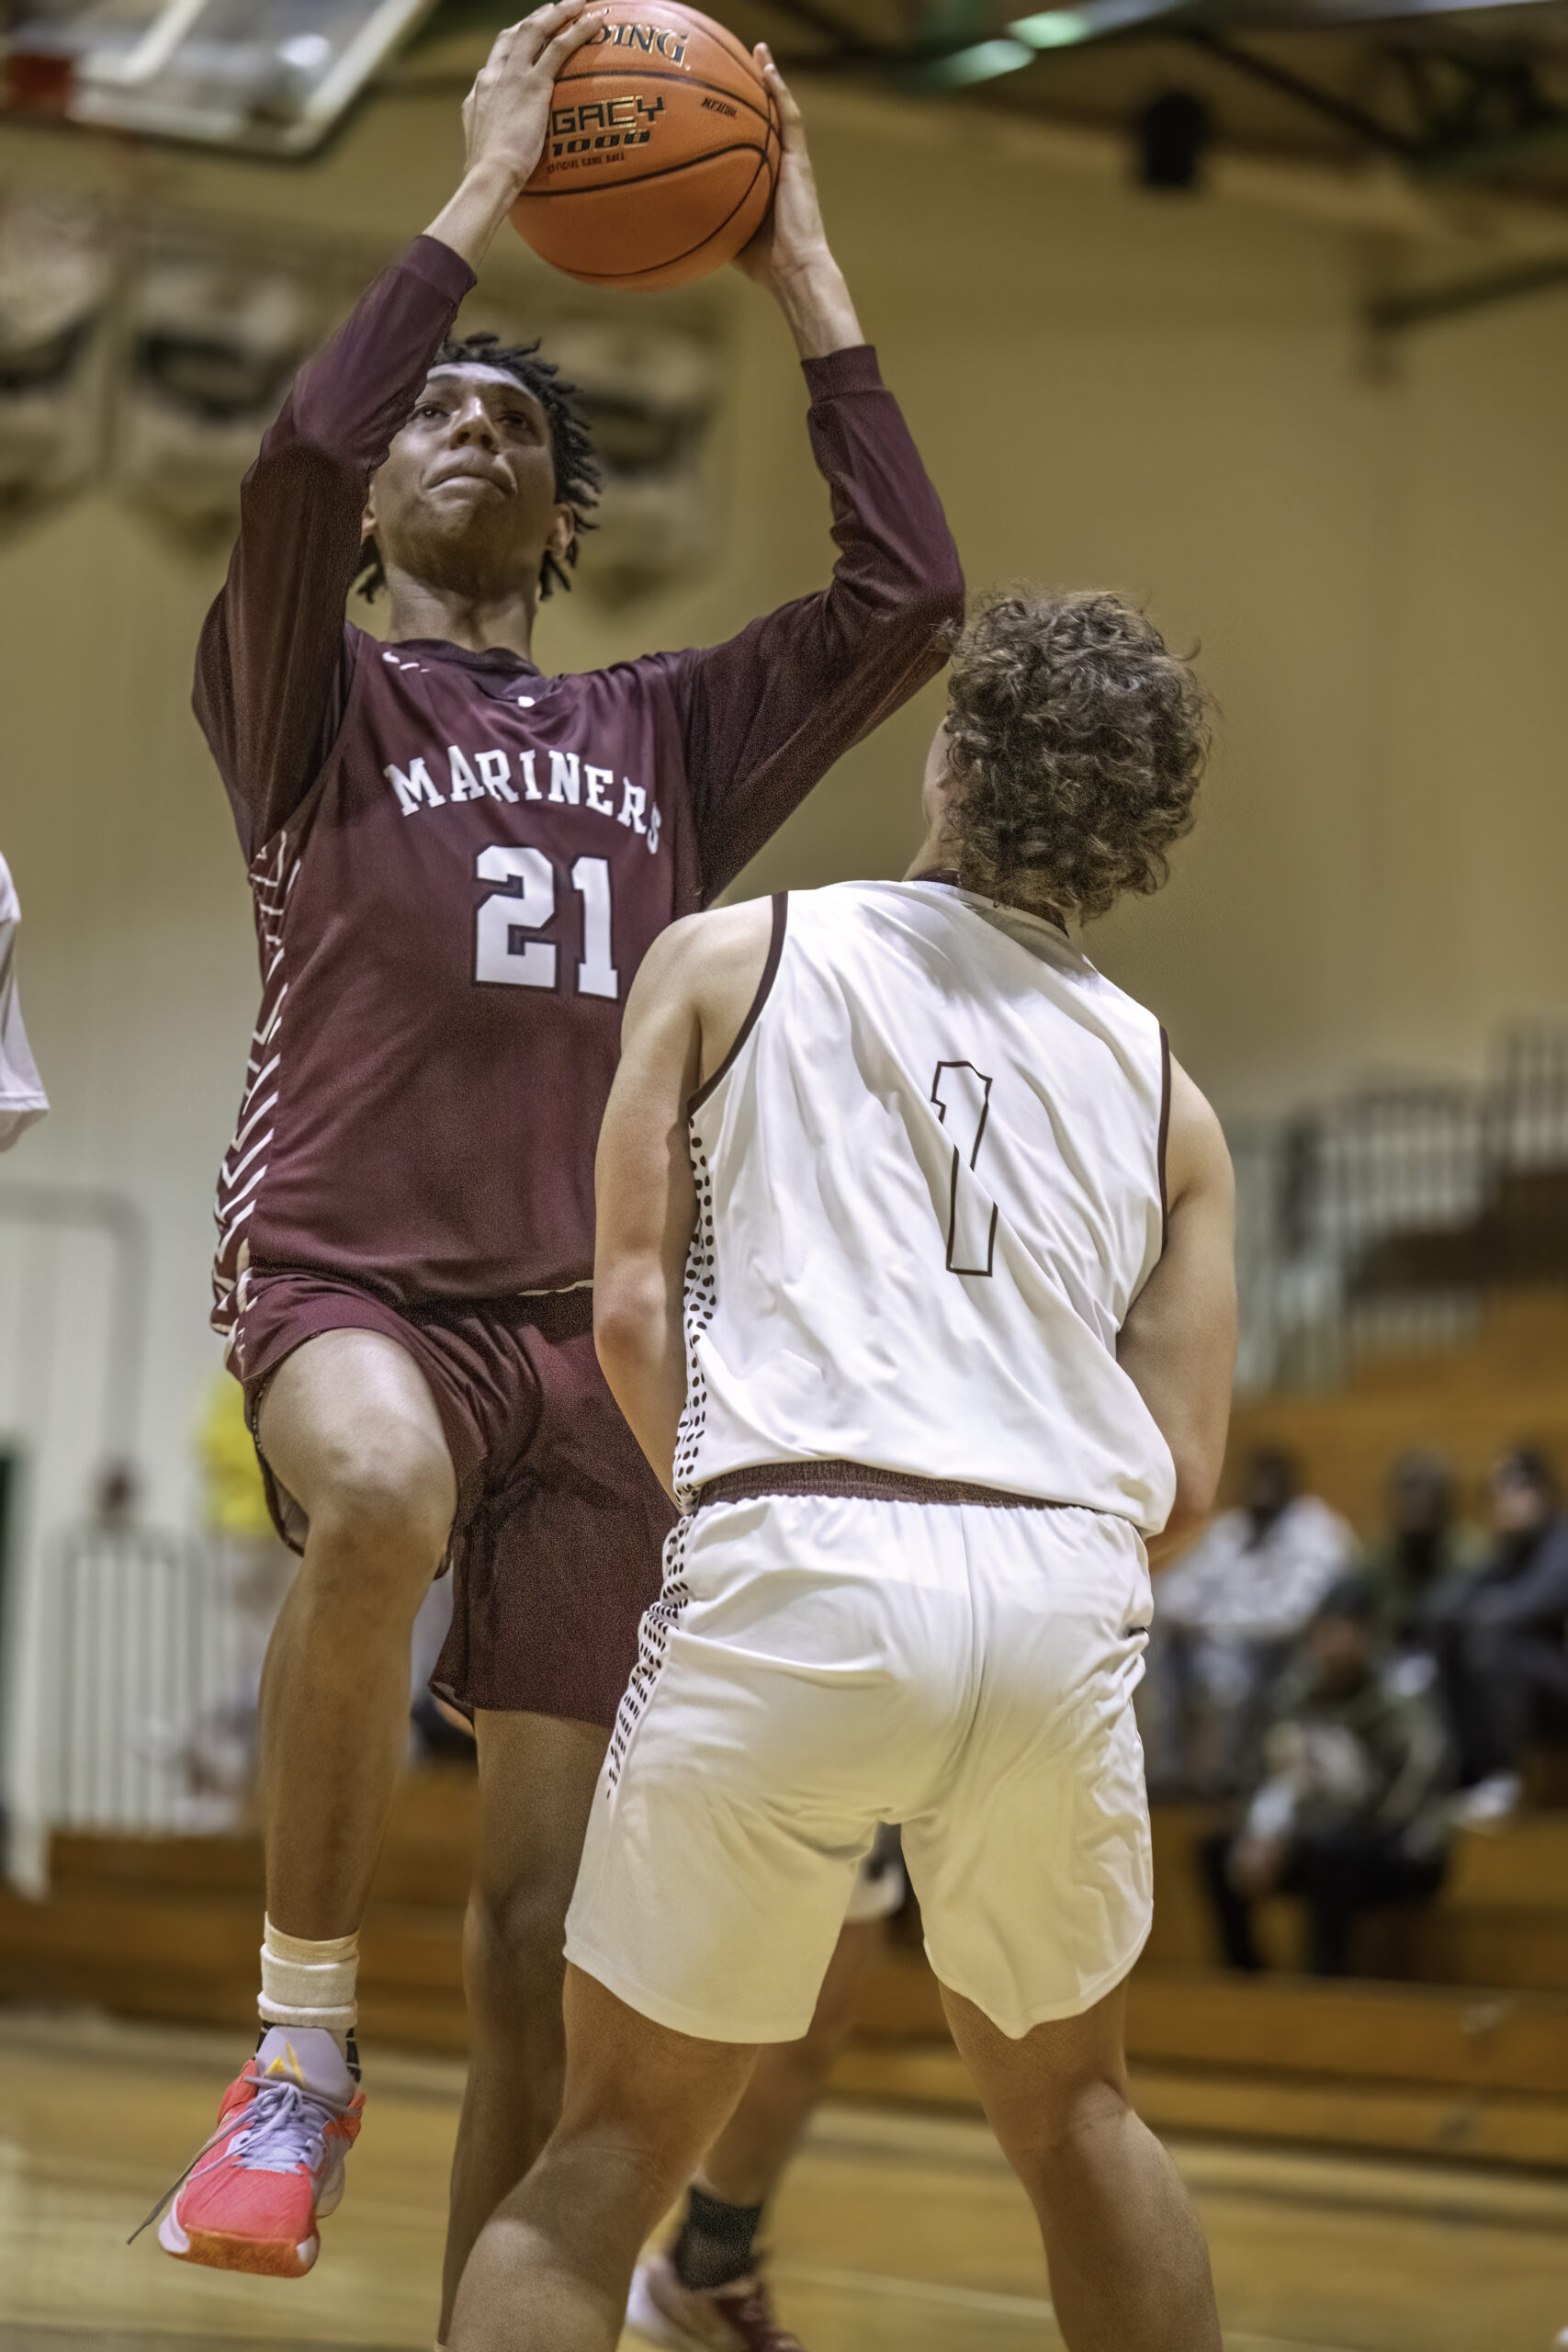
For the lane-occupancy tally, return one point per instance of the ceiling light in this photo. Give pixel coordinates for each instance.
(982, 63)
(1064, 28)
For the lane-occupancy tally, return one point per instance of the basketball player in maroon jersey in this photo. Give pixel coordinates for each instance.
(458, 861)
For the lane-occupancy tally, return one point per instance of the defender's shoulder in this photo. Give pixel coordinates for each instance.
(693, 947)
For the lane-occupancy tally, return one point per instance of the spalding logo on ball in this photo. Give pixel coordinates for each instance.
(662, 157)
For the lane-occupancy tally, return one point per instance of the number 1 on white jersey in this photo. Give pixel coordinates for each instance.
(962, 1097)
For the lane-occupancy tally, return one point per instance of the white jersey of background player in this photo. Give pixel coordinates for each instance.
(22, 1098)
(915, 1281)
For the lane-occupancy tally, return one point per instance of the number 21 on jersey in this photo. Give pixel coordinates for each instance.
(962, 1097)
(506, 954)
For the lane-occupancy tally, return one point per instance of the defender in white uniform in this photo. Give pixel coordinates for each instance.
(22, 1098)
(915, 1283)
(929, 1188)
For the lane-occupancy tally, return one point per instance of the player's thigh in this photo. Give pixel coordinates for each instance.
(537, 1776)
(1041, 2087)
(710, 1897)
(1032, 1866)
(349, 1426)
(759, 1743)
(659, 2096)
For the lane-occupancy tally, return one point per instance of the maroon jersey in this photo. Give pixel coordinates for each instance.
(459, 863)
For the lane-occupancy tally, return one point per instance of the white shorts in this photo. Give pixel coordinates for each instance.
(818, 1664)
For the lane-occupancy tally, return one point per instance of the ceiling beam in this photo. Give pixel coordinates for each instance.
(1423, 305)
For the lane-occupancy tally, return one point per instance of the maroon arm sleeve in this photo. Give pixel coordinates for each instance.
(272, 668)
(768, 713)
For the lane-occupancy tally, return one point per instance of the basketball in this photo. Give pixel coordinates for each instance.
(663, 153)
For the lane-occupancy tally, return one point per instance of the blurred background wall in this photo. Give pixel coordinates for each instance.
(1168, 395)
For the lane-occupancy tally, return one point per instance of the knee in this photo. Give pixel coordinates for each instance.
(1059, 2132)
(383, 1514)
(515, 1940)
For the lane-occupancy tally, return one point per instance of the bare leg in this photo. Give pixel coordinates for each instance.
(350, 1428)
(1129, 2268)
(538, 1774)
(553, 2264)
(747, 2161)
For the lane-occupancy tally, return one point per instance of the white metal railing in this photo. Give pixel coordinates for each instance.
(1378, 1220)
(132, 1662)
(121, 1642)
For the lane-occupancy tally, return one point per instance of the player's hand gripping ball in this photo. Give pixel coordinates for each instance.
(661, 154)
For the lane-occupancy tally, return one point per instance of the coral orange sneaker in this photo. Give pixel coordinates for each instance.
(274, 2167)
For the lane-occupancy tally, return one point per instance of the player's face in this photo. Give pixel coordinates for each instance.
(467, 498)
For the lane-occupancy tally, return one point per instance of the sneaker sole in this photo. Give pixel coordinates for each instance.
(215, 2250)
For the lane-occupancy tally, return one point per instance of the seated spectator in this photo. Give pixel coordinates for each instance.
(1352, 1816)
(1224, 1619)
(1500, 1638)
(1427, 1558)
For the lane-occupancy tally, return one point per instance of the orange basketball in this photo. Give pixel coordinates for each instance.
(663, 153)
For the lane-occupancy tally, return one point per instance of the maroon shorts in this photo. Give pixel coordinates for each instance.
(556, 1544)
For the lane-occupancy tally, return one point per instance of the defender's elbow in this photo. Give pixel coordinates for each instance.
(626, 1313)
(1197, 1484)
(1186, 1519)
(612, 1334)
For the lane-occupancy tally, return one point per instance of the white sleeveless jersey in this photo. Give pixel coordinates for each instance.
(22, 1098)
(930, 1185)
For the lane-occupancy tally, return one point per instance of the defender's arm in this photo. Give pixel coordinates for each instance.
(687, 1006)
(646, 1203)
(1178, 1345)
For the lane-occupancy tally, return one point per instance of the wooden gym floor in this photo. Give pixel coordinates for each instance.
(898, 2232)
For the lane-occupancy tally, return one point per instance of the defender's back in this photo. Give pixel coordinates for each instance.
(929, 1181)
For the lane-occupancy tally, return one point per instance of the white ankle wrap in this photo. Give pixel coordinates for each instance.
(309, 1983)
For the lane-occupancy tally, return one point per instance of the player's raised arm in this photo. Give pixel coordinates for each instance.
(1177, 1344)
(790, 253)
(273, 668)
(506, 117)
(769, 712)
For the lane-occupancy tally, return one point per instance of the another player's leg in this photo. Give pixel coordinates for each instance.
(538, 1775)
(1129, 2267)
(551, 2267)
(544, 1635)
(708, 2288)
(350, 1428)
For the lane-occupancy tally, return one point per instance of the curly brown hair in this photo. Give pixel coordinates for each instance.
(1079, 741)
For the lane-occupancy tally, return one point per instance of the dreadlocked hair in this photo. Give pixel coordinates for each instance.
(1079, 741)
(578, 477)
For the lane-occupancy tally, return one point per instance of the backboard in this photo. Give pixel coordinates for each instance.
(265, 76)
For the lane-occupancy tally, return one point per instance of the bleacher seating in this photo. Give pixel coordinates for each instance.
(1505, 1386)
